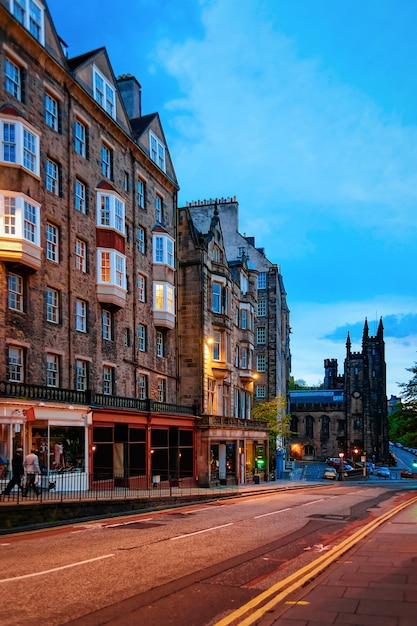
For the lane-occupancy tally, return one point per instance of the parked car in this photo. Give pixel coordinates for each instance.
(383, 472)
(369, 467)
(330, 472)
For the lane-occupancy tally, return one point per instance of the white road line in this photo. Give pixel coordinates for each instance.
(134, 521)
(313, 502)
(198, 532)
(55, 569)
(272, 513)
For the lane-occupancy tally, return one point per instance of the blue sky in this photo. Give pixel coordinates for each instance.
(306, 111)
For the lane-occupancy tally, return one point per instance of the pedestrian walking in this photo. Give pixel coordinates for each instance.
(17, 472)
(32, 468)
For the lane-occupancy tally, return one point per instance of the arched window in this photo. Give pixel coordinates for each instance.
(325, 427)
(294, 424)
(309, 426)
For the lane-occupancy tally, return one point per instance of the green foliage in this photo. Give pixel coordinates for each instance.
(403, 420)
(275, 413)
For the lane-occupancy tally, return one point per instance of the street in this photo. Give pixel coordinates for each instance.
(185, 566)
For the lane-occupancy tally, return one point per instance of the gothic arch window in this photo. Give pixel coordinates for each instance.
(309, 450)
(325, 427)
(309, 426)
(294, 424)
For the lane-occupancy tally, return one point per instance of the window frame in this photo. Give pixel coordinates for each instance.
(108, 380)
(111, 211)
(80, 256)
(111, 268)
(13, 78)
(52, 373)
(24, 146)
(52, 176)
(81, 315)
(15, 365)
(106, 158)
(106, 325)
(163, 297)
(51, 111)
(163, 249)
(52, 297)
(80, 195)
(141, 287)
(15, 292)
(52, 243)
(102, 89)
(157, 151)
(27, 17)
(160, 344)
(81, 374)
(80, 139)
(261, 335)
(142, 339)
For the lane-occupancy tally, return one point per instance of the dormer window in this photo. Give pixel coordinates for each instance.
(157, 151)
(31, 15)
(104, 93)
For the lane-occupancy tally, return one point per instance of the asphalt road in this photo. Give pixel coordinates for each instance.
(183, 567)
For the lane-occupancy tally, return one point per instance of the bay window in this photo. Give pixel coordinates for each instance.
(110, 211)
(19, 145)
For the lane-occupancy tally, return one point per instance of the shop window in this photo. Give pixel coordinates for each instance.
(63, 450)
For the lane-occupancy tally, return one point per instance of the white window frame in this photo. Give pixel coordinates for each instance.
(141, 239)
(80, 256)
(80, 196)
(21, 147)
(141, 190)
(81, 374)
(262, 280)
(15, 364)
(106, 161)
(142, 338)
(162, 389)
(19, 218)
(13, 78)
(80, 138)
(106, 325)
(51, 111)
(163, 248)
(244, 319)
(158, 208)
(111, 267)
(52, 305)
(163, 297)
(31, 15)
(217, 347)
(52, 370)
(81, 315)
(108, 380)
(104, 92)
(244, 358)
(141, 281)
(160, 343)
(52, 177)
(111, 211)
(143, 386)
(157, 151)
(14, 292)
(52, 242)
(216, 295)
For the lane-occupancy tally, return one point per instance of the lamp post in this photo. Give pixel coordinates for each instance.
(341, 465)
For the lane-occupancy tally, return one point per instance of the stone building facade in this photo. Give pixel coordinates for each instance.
(349, 414)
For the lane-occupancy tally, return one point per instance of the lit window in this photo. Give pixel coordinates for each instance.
(52, 370)
(80, 138)
(261, 309)
(143, 386)
(80, 375)
(141, 193)
(262, 280)
(162, 390)
(80, 255)
(15, 364)
(157, 151)
(164, 297)
(261, 335)
(261, 363)
(51, 181)
(141, 288)
(158, 208)
(79, 196)
(110, 211)
(104, 93)
(51, 112)
(163, 250)
(106, 161)
(15, 292)
(52, 305)
(13, 79)
(106, 325)
(19, 145)
(111, 268)
(81, 316)
(52, 243)
(159, 343)
(142, 338)
(141, 239)
(107, 380)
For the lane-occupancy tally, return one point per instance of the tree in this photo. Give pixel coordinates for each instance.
(275, 413)
(403, 420)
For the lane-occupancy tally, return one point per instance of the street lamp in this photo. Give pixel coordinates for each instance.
(341, 465)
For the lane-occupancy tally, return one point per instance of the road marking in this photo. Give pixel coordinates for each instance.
(133, 521)
(313, 502)
(272, 513)
(55, 569)
(198, 532)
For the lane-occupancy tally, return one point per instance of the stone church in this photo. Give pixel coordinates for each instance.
(349, 413)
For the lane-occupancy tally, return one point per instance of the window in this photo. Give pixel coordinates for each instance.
(162, 390)
(163, 250)
(260, 391)
(52, 305)
(141, 288)
(261, 335)
(81, 316)
(261, 363)
(31, 220)
(219, 295)
(52, 370)
(81, 375)
(19, 219)
(211, 397)
(51, 177)
(157, 151)
(158, 208)
(141, 240)
(110, 211)
(244, 318)
(142, 338)
(107, 380)
(111, 268)
(15, 364)
(15, 292)
(244, 358)
(80, 138)
(261, 308)
(262, 280)
(159, 343)
(143, 386)
(217, 346)
(309, 426)
(79, 196)
(19, 145)
(104, 93)
(31, 15)
(126, 337)
(80, 256)
(51, 112)
(52, 243)
(217, 254)
(126, 181)
(141, 193)
(106, 325)
(106, 161)
(164, 299)
(13, 79)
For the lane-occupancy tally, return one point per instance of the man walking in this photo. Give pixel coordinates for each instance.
(17, 472)
(32, 468)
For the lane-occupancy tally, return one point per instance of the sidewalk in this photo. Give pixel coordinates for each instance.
(373, 584)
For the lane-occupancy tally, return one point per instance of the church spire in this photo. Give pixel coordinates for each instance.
(380, 329)
(365, 332)
(348, 343)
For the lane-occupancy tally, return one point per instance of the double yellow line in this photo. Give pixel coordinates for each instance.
(284, 588)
